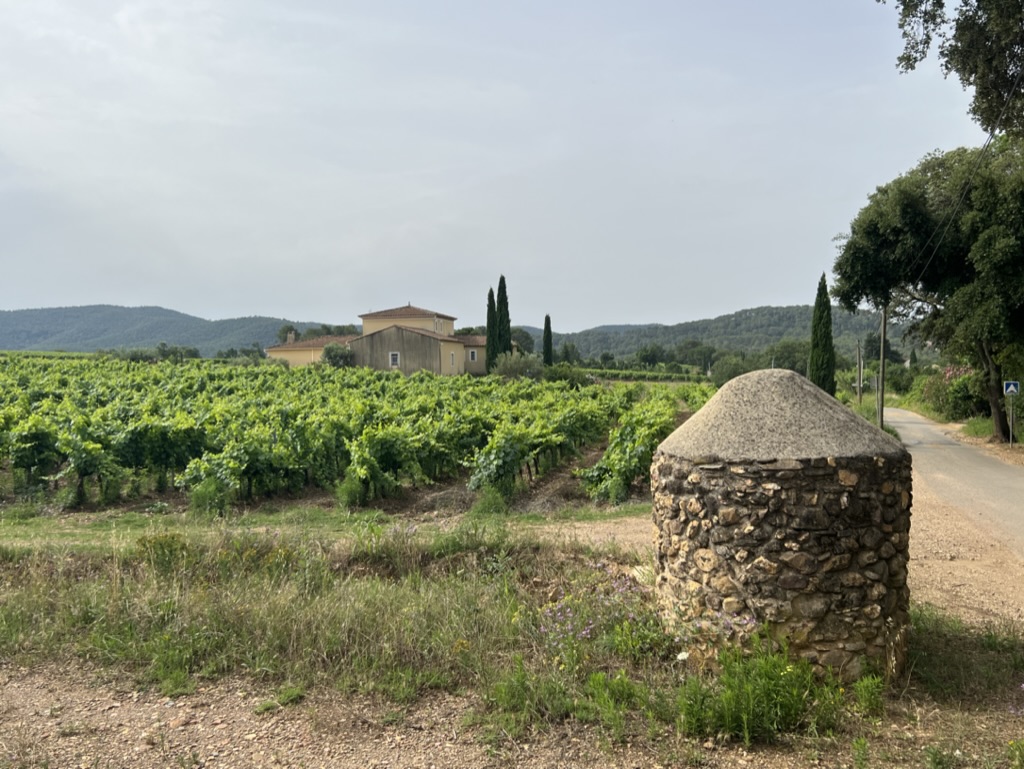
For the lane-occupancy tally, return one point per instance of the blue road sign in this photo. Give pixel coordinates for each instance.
(1011, 388)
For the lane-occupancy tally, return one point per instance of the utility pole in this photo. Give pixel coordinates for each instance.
(881, 370)
(860, 375)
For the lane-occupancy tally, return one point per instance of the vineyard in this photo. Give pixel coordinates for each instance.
(97, 430)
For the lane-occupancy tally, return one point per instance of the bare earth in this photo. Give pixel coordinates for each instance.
(74, 717)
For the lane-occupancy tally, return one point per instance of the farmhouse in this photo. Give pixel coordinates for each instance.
(306, 351)
(406, 339)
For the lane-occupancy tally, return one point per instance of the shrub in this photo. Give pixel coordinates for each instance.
(955, 393)
(899, 379)
(513, 365)
(576, 377)
(210, 497)
(337, 356)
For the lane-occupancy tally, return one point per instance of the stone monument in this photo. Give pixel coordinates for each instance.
(777, 507)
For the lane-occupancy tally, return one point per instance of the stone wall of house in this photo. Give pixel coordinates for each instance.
(816, 550)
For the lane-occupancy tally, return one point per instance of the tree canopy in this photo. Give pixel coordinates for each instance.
(523, 339)
(943, 245)
(982, 42)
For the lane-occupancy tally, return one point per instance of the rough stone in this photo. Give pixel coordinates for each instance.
(810, 606)
(728, 516)
(792, 581)
(733, 605)
(705, 560)
(796, 514)
(847, 477)
(805, 563)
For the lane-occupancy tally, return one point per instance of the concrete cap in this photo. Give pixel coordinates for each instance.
(776, 414)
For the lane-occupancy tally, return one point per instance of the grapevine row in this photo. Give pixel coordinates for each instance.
(224, 432)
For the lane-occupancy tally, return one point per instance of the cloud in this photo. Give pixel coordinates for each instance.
(618, 164)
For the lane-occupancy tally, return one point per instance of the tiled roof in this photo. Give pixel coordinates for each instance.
(315, 343)
(407, 312)
(472, 340)
(432, 334)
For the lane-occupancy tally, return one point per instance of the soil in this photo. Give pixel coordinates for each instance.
(79, 717)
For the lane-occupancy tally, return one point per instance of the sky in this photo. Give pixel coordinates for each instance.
(654, 161)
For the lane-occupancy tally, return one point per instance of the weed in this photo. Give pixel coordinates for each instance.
(72, 730)
(608, 699)
(210, 498)
(190, 760)
(859, 746)
(394, 717)
(868, 694)
(757, 696)
(289, 694)
(489, 502)
(1016, 754)
(19, 511)
(527, 696)
(939, 758)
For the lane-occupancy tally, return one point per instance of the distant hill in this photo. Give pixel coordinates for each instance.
(747, 331)
(105, 327)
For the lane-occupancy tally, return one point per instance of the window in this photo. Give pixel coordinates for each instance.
(472, 356)
(394, 359)
(453, 360)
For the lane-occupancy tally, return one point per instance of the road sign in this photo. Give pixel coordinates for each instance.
(1010, 389)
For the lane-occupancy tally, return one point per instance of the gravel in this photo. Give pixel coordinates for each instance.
(776, 414)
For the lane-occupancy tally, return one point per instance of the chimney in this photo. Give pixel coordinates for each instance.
(291, 337)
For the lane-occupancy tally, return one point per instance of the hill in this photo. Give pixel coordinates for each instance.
(105, 327)
(747, 331)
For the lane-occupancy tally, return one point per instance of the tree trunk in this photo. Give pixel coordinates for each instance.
(994, 393)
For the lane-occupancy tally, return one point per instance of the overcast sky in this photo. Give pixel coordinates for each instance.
(619, 162)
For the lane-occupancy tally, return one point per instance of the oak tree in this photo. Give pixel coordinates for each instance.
(943, 246)
(981, 42)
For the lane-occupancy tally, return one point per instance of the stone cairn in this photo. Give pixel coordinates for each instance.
(778, 507)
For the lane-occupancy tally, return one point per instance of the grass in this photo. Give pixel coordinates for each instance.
(289, 694)
(587, 513)
(541, 635)
(978, 427)
(955, 663)
(869, 411)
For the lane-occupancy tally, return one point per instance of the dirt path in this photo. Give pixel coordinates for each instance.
(73, 718)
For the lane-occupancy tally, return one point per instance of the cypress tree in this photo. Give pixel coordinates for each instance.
(549, 350)
(503, 323)
(821, 367)
(491, 352)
